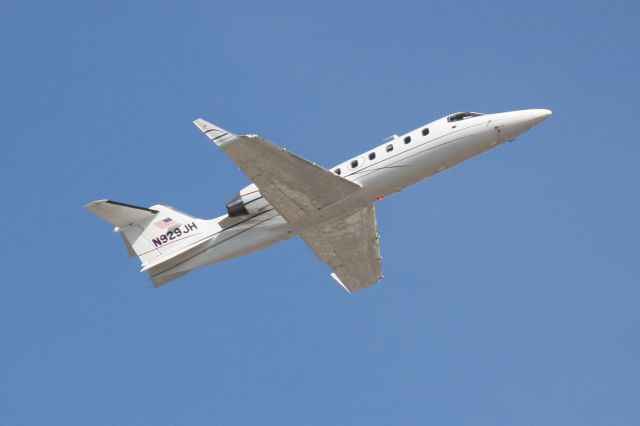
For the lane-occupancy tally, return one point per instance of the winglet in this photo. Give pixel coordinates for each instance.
(217, 134)
(335, 277)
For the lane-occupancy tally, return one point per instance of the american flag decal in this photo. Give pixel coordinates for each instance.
(165, 223)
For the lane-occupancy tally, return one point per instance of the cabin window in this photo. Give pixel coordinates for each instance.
(389, 147)
(407, 139)
(425, 131)
(372, 155)
(337, 171)
(354, 164)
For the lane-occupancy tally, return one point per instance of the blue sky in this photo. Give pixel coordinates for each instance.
(511, 282)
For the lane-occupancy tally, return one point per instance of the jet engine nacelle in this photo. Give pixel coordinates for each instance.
(249, 201)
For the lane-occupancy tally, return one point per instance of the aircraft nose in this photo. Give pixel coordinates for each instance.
(514, 123)
(537, 116)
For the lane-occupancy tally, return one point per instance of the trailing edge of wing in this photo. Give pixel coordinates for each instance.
(295, 187)
(350, 247)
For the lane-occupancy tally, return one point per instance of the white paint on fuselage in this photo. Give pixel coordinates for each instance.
(445, 145)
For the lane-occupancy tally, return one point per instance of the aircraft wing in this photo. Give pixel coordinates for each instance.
(295, 187)
(350, 247)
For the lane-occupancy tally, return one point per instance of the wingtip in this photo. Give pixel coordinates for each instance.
(213, 132)
(201, 124)
(206, 126)
(92, 204)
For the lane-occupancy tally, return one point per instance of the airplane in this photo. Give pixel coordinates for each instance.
(332, 210)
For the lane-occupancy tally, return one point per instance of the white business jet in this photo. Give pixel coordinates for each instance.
(331, 210)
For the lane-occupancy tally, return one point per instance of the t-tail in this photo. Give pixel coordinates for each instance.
(155, 235)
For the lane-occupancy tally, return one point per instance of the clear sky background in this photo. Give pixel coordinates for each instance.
(512, 286)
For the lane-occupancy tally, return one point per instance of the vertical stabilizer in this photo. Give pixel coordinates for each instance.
(150, 233)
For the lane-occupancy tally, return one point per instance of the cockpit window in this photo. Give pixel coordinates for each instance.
(462, 116)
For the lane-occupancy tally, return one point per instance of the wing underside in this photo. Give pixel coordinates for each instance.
(295, 187)
(298, 189)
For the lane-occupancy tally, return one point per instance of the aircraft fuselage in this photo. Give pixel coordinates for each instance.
(399, 162)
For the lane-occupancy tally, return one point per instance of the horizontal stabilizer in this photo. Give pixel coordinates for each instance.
(165, 278)
(156, 234)
(121, 215)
